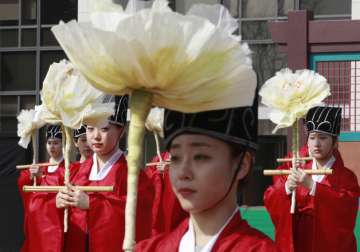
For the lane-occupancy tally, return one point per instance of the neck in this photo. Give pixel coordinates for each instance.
(55, 159)
(82, 158)
(322, 162)
(207, 223)
(102, 159)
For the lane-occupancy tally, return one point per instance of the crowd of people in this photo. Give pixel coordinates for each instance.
(191, 205)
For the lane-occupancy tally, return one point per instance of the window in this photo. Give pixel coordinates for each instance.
(18, 71)
(343, 74)
(27, 48)
(9, 12)
(327, 7)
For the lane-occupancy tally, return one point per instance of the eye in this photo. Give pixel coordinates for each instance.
(105, 129)
(88, 128)
(201, 157)
(174, 158)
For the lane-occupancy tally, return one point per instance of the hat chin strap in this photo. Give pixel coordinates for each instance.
(231, 184)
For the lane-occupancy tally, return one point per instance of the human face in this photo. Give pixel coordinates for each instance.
(54, 148)
(82, 145)
(104, 141)
(201, 171)
(321, 146)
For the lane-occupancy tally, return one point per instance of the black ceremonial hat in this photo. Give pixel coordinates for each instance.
(53, 131)
(120, 111)
(234, 125)
(324, 119)
(79, 132)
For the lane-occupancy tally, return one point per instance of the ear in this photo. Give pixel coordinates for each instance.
(245, 165)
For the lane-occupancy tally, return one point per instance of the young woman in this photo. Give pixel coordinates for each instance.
(211, 155)
(43, 226)
(81, 144)
(102, 215)
(326, 206)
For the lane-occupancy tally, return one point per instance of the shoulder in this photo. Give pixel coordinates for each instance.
(164, 242)
(246, 238)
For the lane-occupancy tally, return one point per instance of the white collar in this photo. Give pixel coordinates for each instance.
(53, 168)
(95, 175)
(187, 243)
(328, 165)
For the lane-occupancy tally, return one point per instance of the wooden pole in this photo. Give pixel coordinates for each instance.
(27, 166)
(55, 189)
(288, 172)
(295, 151)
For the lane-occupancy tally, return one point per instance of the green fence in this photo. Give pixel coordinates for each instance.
(259, 218)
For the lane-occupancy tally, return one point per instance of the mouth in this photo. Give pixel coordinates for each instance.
(97, 145)
(186, 192)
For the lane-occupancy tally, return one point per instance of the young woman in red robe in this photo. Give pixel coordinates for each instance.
(97, 220)
(81, 144)
(43, 222)
(211, 155)
(326, 206)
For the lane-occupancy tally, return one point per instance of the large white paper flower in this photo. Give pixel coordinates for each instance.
(68, 98)
(187, 62)
(28, 122)
(290, 95)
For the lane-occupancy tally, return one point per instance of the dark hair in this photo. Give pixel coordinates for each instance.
(235, 151)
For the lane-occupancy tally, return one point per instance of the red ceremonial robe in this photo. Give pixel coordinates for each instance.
(324, 222)
(43, 222)
(104, 221)
(236, 236)
(167, 213)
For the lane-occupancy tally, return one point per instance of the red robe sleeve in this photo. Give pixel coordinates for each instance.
(166, 210)
(76, 237)
(44, 222)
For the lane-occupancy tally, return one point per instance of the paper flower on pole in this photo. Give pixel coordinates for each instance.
(68, 98)
(188, 63)
(28, 122)
(290, 95)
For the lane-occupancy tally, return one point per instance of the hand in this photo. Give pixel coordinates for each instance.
(35, 171)
(305, 179)
(63, 199)
(79, 198)
(291, 182)
(72, 197)
(299, 164)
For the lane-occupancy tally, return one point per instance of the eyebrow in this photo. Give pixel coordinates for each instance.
(193, 144)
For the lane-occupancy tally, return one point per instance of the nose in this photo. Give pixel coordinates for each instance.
(96, 134)
(185, 170)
